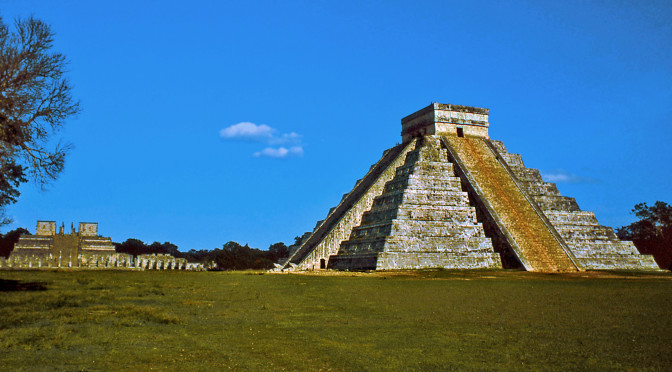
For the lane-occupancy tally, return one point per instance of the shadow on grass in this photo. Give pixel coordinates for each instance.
(18, 286)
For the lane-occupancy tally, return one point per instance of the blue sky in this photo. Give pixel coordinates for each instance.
(209, 121)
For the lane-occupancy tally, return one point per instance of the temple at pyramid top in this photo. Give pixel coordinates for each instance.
(446, 119)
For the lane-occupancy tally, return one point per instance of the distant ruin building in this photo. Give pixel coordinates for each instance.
(82, 249)
(450, 197)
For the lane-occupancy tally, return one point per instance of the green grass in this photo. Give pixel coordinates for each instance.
(432, 320)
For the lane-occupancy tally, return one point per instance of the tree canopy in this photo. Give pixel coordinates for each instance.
(652, 234)
(8, 240)
(136, 247)
(232, 255)
(35, 102)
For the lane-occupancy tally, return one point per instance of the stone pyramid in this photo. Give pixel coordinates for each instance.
(449, 197)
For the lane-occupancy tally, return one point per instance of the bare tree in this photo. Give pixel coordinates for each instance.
(35, 101)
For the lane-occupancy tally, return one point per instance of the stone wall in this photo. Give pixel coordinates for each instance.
(65, 250)
(88, 229)
(165, 262)
(97, 244)
(34, 245)
(46, 228)
(94, 260)
(445, 119)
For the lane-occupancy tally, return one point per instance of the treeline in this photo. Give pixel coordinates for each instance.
(232, 255)
(8, 240)
(652, 234)
(137, 247)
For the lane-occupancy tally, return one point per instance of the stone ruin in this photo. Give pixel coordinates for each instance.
(83, 249)
(450, 197)
(165, 262)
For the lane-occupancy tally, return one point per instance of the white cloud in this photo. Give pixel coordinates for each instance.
(562, 176)
(280, 152)
(247, 131)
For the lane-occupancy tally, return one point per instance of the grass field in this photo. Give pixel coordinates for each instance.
(432, 320)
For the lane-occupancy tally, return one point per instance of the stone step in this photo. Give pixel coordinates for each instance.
(447, 260)
(453, 213)
(362, 246)
(411, 228)
(431, 192)
(541, 188)
(445, 198)
(438, 244)
(353, 262)
(586, 232)
(513, 160)
(526, 174)
(499, 145)
(627, 246)
(435, 227)
(596, 248)
(461, 215)
(429, 244)
(556, 203)
(418, 183)
(624, 262)
(574, 218)
(435, 197)
(425, 169)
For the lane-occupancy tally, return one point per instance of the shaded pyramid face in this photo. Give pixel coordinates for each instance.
(450, 197)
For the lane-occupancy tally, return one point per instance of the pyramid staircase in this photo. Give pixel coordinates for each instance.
(528, 233)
